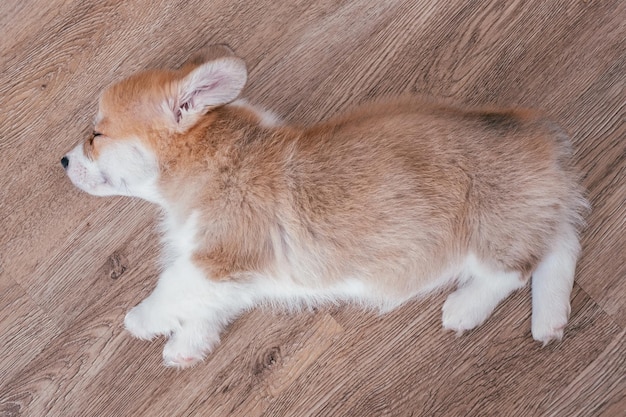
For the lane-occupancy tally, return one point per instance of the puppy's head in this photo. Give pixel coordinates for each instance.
(140, 116)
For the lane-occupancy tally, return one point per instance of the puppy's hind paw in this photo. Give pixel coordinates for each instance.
(546, 334)
(548, 325)
(461, 312)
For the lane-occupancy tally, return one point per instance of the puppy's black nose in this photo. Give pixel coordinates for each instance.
(65, 162)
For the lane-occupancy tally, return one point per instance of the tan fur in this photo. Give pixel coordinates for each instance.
(394, 192)
(387, 201)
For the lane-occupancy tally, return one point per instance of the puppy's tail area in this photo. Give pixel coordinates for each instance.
(553, 279)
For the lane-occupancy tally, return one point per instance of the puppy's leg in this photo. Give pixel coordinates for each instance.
(202, 316)
(188, 307)
(160, 313)
(151, 317)
(474, 301)
(552, 284)
(189, 344)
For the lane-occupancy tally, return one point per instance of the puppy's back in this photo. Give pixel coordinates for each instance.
(434, 182)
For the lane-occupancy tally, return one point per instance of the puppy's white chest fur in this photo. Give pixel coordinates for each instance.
(179, 235)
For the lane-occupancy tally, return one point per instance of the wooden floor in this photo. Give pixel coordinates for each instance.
(71, 265)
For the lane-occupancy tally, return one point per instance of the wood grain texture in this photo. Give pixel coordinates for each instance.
(24, 327)
(480, 373)
(581, 397)
(71, 264)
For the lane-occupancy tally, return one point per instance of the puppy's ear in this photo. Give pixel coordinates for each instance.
(211, 84)
(206, 54)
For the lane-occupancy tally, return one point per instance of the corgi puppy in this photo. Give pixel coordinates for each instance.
(386, 202)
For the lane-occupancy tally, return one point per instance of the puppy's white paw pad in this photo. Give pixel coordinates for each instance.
(177, 354)
(181, 362)
(144, 324)
(461, 313)
(546, 333)
(134, 324)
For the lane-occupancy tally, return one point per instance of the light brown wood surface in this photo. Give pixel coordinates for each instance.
(72, 264)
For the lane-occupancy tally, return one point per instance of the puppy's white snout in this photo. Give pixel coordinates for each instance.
(65, 162)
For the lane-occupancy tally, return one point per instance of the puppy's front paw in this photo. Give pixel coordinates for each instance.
(175, 355)
(145, 322)
(189, 345)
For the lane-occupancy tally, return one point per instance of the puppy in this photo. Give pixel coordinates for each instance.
(386, 202)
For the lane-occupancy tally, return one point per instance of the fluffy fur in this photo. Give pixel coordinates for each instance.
(386, 202)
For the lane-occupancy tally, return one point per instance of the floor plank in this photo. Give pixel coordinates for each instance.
(483, 373)
(590, 396)
(99, 254)
(26, 329)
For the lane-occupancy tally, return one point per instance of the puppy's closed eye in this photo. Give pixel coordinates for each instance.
(88, 145)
